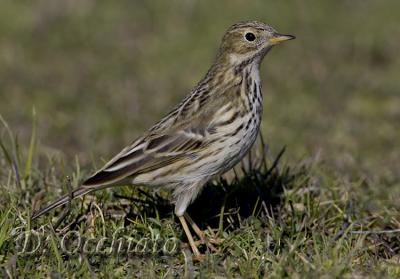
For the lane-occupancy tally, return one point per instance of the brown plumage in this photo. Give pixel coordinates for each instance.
(205, 135)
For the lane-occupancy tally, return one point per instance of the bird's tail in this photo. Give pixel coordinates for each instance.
(63, 200)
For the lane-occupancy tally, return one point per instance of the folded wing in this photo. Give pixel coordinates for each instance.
(149, 153)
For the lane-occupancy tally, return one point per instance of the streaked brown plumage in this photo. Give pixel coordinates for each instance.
(205, 135)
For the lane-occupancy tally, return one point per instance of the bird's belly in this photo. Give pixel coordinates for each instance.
(227, 146)
(238, 146)
(220, 156)
(232, 145)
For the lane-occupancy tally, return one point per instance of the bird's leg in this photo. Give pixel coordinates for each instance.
(192, 244)
(196, 228)
(199, 232)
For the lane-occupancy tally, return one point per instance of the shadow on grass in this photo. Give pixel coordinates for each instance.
(253, 188)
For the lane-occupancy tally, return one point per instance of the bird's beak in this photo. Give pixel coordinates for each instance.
(279, 38)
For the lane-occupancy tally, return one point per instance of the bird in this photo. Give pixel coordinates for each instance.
(204, 136)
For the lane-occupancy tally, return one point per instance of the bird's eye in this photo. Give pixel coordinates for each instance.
(250, 36)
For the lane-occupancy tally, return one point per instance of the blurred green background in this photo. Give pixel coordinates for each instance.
(101, 72)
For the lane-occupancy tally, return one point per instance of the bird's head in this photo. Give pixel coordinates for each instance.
(249, 40)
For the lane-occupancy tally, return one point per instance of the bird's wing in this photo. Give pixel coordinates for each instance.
(181, 134)
(149, 153)
(143, 155)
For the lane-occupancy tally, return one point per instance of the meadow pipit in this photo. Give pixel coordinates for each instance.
(204, 136)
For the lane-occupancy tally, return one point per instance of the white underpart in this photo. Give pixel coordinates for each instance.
(235, 152)
(232, 151)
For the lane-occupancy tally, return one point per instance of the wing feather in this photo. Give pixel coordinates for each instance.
(155, 152)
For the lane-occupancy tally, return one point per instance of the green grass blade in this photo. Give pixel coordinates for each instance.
(13, 160)
(5, 227)
(32, 144)
(6, 154)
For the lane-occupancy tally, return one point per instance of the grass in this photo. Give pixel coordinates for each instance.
(328, 209)
(271, 220)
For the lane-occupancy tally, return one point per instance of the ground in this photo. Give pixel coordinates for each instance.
(81, 79)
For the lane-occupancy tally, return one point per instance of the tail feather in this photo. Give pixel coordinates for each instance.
(62, 200)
